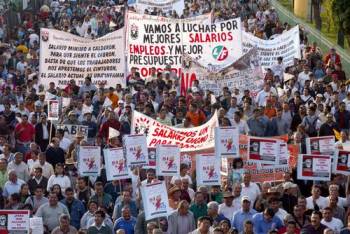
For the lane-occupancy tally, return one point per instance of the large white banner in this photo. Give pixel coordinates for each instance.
(164, 5)
(188, 139)
(286, 45)
(155, 200)
(155, 41)
(116, 168)
(64, 56)
(208, 170)
(245, 73)
(89, 160)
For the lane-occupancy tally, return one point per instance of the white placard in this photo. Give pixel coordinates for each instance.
(155, 200)
(168, 160)
(208, 170)
(136, 150)
(53, 110)
(116, 168)
(36, 225)
(89, 160)
(227, 142)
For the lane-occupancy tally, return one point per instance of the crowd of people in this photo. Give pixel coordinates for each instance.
(38, 170)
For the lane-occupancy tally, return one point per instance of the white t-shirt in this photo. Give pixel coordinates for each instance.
(302, 77)
(342, 202)
(322, 202)
(226, 210)
(252, 191)
(281, 213)
(335, 224)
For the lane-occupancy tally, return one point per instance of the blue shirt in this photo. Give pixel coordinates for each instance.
(262, 226)
(126, 225)
(240, 217)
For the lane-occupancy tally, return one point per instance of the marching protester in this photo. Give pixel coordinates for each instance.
(191, 141)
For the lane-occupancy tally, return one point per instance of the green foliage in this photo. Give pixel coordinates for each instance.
(341, 11)
(328, 14)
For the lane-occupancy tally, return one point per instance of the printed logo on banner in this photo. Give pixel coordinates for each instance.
(211, 173)
(44, 35)
(228, 143)
(137, 152)
(90, 163)
(134, 31)
(157, 203)
(220, 53)
(170, 162)
(119, 165)
(142, 126)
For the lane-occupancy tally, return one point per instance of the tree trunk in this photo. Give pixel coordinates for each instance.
(316, 4)
(341, 36)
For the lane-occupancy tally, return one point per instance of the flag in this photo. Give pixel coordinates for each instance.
(113, 133)
(337, 134)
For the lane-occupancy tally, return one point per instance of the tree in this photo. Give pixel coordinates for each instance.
(328, 14)
(341, 9)
(316, 7)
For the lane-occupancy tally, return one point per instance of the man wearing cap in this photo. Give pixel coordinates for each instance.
(226, 208)
(327, 129)
(92, 127)
(242, 215)
(43, 130)
(72, 118)
(288, 199)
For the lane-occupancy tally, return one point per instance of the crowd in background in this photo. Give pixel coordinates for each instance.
(38, 162)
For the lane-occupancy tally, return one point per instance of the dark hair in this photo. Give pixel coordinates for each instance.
(317, 212)
(98, 183)
(69, 190)
(225, 221)
(248, 222)
(235, 161)
(202, 218)
(15, 197)
(39, 186)
(269, 212)
(100, 212)
(39, 169)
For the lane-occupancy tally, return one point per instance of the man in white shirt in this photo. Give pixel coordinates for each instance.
(227, 208)
(334, 191)
(237, 196)
(250, 189)
(303, 76)
(20, 167)
(333, 223)
(13, 185)
(263, 94)
(47, 167)
(316, 199)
